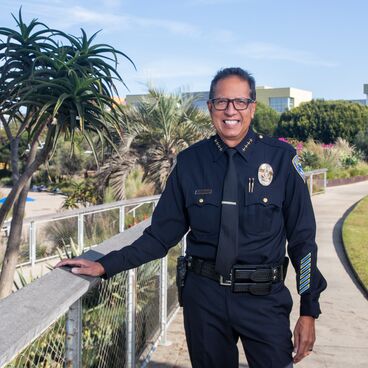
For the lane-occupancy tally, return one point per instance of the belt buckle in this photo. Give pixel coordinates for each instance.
(225, 282)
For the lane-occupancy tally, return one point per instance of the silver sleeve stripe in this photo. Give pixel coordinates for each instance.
(305, 261)
(305, 272)
(302, 284)
(305, 264)
(304, 289)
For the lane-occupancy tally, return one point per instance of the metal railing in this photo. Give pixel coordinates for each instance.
(316, 180)
(62, 320)
(85, 227)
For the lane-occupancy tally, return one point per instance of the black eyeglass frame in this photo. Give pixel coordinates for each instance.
(232, 100)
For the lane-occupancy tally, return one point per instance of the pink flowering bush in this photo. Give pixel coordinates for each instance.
(340, 158)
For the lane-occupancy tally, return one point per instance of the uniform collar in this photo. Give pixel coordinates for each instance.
(218, 147)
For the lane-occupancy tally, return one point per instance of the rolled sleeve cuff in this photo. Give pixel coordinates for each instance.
(309, 307)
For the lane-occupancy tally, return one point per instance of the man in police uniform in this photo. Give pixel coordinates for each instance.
(241, 195)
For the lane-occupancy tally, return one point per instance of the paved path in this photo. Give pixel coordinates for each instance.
(342, 329)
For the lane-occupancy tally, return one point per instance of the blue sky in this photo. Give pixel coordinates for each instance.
(320, 45)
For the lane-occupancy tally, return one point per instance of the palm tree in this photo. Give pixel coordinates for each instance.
(51, 85)
(156, 129)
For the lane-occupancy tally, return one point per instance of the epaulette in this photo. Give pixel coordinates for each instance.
(274, 142)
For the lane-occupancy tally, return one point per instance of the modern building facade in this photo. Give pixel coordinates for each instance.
(365, 91)
(280, 99)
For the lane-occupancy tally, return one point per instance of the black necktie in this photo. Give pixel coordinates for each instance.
(227, 250)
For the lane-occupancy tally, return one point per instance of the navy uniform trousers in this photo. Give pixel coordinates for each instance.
(215, 318)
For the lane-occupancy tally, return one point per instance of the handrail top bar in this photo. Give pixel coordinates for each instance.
(317, 171)
(90, 209)
(25, 314)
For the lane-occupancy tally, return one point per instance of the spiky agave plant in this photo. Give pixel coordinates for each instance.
(52, 85)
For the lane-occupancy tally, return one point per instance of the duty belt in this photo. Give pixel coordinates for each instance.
(255, 279)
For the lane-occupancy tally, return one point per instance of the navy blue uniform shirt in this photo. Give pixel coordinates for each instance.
(269, 215)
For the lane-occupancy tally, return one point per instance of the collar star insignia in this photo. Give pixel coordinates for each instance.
(219, 145)
(249, 142)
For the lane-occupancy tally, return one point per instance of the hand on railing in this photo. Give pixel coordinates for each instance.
(82, 267)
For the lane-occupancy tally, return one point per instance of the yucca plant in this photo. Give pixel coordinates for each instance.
(52, 85)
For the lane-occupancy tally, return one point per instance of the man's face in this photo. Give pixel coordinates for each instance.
(232, 125)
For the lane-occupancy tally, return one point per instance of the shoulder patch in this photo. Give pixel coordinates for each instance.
(298, 167)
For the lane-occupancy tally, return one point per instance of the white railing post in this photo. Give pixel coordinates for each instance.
(73, 339)
(131, 311)
(81, 232)
(32, 243)
(121, 219)
(163, 301)
(311, 184)
(325, 181)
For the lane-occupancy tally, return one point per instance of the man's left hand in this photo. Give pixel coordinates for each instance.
(304, 337)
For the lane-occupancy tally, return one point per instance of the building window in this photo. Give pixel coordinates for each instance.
(281, 104)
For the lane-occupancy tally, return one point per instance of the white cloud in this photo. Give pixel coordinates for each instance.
(77, 15)
(268, 51)
(66, 16)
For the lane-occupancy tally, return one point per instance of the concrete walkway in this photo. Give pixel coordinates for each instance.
(342, 329)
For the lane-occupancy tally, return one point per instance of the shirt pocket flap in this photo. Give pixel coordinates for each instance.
(203, 200)
(265, 199)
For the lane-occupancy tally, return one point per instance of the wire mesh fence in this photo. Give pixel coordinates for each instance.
(24, 244)
(147, 316)
(104, 324)
(47, 351)
(105, 314)
(100, 226)
(172, 295)
(55, 234)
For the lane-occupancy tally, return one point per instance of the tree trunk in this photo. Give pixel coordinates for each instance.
(32, 165)
(14, 148)
(12, 249)
(16, 190)
(19, 194)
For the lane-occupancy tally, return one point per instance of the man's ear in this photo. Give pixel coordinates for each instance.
(209, 106)
(253, 111)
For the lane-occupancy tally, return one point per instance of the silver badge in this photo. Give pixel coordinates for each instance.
(265, 174)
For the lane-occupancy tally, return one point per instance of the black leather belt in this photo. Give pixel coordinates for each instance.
(255, 279)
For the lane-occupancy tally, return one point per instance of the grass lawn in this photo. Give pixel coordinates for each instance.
(355, 236)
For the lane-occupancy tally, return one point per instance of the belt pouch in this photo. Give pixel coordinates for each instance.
(181, 272)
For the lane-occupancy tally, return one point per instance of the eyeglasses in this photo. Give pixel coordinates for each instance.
(222, 104)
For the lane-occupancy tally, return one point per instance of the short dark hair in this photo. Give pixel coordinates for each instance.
(239, 72)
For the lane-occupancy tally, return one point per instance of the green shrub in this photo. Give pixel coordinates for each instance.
(324, 121)
(361, 143)
(310, 160)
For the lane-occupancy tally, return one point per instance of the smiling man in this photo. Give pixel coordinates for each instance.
(241, 195)
(232, 107)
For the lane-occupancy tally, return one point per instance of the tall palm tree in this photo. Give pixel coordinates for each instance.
(156, 129)
(51, 85)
